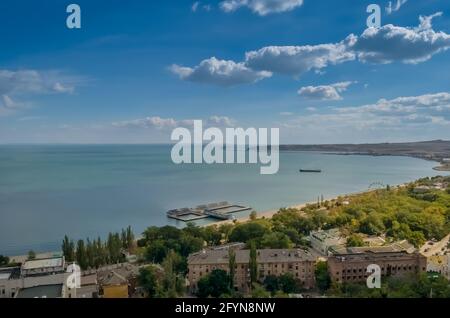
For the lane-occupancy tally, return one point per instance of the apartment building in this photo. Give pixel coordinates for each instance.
(299, 263)
(349, 265)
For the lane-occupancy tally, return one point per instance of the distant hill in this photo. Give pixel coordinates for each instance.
(436, 150)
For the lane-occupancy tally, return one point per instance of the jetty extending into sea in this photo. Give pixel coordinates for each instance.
(220, 211)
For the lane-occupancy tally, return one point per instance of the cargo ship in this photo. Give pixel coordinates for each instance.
(310, 170)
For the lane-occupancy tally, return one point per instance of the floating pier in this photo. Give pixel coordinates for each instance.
(221, 211)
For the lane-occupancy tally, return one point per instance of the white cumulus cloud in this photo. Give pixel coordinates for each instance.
(297, 60)
(159, 123)
(401, 44)
(219, 72)
(261, 7)
(400, 117)
(324, 92)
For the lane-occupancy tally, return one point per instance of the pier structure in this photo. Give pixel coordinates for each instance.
(221, 211)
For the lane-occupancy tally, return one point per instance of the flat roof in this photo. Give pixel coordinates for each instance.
(402, 246)
(43, 263)
(4, 276)
(332, 234)
(9, 273)
(46, 291)
(243, 256)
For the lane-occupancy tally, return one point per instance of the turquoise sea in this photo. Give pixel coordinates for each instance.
(88, 190)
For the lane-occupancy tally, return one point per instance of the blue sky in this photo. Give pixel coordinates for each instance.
(137, 69)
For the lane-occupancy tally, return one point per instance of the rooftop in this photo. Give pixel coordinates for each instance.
(88, 280)
(9, 273)
(218, 256)
(23, 258)
(43, 263)
(47, 291)
(331, 234)
(402, 246)
(117, 275)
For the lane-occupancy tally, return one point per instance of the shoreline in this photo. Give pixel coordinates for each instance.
(442, 166)
(268, 214)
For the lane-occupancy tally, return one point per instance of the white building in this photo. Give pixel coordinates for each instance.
(9, 282)
(43, 266)
(322, 241)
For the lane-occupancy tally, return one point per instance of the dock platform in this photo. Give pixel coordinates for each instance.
(221, 211)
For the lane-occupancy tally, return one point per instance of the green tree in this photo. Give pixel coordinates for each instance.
(68, 249)
(212, 235)
(130, 238)
(355, 240)
(271, 283)
(81, 256)
(275, 240)
(90, 254)
(31, 255)
(323, 280)
(4, 260)
(172, 282)
(114, 248)
(248, 231)
(225, 230)
(123, 239)
(156, 251)
(372, 225)
(253, 216)
(232, 266)
(288, 284)
(216, 284)
(253, 263)
(100, 253)
(258, 291)
(148, 280)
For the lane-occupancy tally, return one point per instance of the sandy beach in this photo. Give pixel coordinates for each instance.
(260, 215)
(270, 213)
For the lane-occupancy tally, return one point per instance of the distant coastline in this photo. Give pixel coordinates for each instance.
(435, 150)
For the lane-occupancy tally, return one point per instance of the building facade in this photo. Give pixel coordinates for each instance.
(439, 264)
(299, 263)
(349, 265)
(322, 241)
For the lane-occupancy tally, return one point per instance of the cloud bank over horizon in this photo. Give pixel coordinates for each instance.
(384, 45)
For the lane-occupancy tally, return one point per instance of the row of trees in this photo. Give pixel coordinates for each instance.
(96, 253)
(414, 286)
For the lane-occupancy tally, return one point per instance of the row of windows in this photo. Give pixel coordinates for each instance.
(392, 268)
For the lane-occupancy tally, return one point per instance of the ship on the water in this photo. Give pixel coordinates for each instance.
(310, 170)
